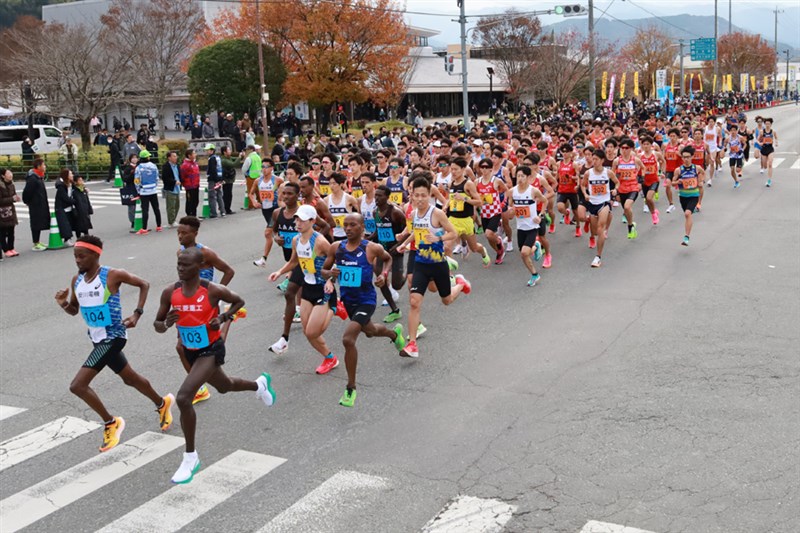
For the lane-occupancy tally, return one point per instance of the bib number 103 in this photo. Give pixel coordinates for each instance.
(193, 337)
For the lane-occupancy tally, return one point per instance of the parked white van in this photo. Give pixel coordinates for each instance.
(45, 139)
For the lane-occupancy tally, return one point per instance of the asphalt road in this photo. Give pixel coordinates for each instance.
(659, 392)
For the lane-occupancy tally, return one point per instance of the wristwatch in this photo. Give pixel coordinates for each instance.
(139, 311)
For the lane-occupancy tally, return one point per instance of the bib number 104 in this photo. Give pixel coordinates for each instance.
(96, 317)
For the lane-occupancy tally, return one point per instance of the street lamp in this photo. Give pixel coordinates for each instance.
(490, 70)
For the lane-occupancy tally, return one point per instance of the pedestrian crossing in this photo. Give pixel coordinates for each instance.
(99, 199)
(335, 505)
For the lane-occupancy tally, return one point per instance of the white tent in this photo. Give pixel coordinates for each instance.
(5, 112)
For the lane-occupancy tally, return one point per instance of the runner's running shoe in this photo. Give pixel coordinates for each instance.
(112, 433)
(328, 364)
(265, 393)
(165, 412)
(189, 467)
(410, 350)
(281, 346)
(348, 399)
(202, 394)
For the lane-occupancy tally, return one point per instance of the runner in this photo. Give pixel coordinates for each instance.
(735, 145)
(489, 187)
(187, 237)
(356, 260)
(542, 180)
(672, 158)
(390, 222)
(711, 137)
(266, 193)
(768, 140)
(396, 182)
(627, 168)
(95, 295)
(596, 188)
(689, 180)
(309, 250)
(431, 229)
(340, 204)
(653, 170)
(193, 305)
(523, 201)
(463, 199)
(567, 187)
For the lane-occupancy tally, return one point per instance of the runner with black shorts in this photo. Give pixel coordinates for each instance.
(95, 295)
(430, 229)
(768, 140)
(627, 167)
(266, 193)
(568, 187)
(689, 180)
(352, 263)
(390, 222)
(523, 201)
(596, 187)
(193, 305)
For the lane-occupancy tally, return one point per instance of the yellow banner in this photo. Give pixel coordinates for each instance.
(604, 86)
(714, 85)
(752, 83)
(622, 85)
(783, 85)
(766, 82)
(700, 79)
(654, 86)
(672, 82)
(636, 83)
(730, 82)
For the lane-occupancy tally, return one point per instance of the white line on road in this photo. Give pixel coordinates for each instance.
(182, 504)
(467, 513)
(777, 161)
(593, 526)
(324, 507)
(38, 440)
(796, 165)
(6, 411)
(34, 503)
(750, 162)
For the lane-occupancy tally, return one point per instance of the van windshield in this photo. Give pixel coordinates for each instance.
(16, 134)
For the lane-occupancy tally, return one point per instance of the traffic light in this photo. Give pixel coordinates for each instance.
(571, 10)
(448, 64)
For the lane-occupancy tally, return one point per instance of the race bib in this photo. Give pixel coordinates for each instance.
(193, 337)
(522, 211)
(599, 189)
(288, 237)
(396, 197)
(358, 193)
(419, 235)
(689, 183)
(325, 190)
(98, 316)
(307, 265)
(349, 276)
(339, 221)
(488, 198)
(266, 196)
(369, 225)
(650, 169)
(386, 234)
(456, 205)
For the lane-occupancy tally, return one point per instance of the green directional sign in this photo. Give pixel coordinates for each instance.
(703, 49)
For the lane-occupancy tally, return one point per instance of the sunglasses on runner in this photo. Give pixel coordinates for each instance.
(394, 167)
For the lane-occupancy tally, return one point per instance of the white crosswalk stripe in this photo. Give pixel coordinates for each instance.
(34, 503)
(327, 508)
(593, 526)
(796, 164)
(777, 161)
(39, 440)
(6, 411)
(182, 504)
(467, 513)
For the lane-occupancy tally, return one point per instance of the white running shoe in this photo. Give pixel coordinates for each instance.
(189, 466)
(280, 347)
(646, 209)
(260, 262)
(509, 245)
(458, 249)
(265, 392)
(709, 181)
(596, 262)
(615, 204)
(761, 171)
(671, 208)
(395, 294)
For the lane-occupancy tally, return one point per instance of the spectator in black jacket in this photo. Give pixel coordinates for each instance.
(65, 206)
(35, 197)
(171, 176)
(116, 157)
(83, 208)
(215, 182)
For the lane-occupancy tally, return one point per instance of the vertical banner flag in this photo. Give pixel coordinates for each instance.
(660, 81)
(752, 83)
(611, 91)
(730, 82)
(672, 81)
(622, 85)
(700, 79)
(604, 86)
(654, 85)
(714, 85)
(636, 83)
(691, 91)
(743, 81)
(766, 82)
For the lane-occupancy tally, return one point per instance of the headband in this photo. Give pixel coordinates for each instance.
(89, 246)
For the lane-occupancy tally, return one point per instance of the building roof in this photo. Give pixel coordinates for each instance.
(429, 75)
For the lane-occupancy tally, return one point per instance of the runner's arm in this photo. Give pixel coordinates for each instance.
(211, 258)
(71, 307)
(329, 270)
(290, 264)
(219, 293)
(165, 317)
(118, 276)
(449, 231)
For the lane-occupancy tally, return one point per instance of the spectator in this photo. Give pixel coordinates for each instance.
(142, 135)
(171, 176)
(35, 197)
(128, 178)
(278, 153)
(152, 146)
(208, 129)
(65, 206)
(8, 212)
(190, 180)
(215, 181)
(229, 177)
(83, 208)
(63, 139)
(116, 157)
(220, 122)
(28, 152)
(197, 130)
(251, 169)
(146, 181)
(249, 138)
(69, 155)
(101, 139)
(130, 148)
(227, 126)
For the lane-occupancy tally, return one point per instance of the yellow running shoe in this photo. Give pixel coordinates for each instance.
(202, 394)
(111, 433)
(165, 412)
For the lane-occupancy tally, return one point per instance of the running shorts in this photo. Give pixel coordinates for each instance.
(216, 350)
(689, 203)
(625, 196)
(107, 353)
(361, 313)
(268, 215)
(397, 267)
(594, 209)
(736, 162)
(317, 296)
(491, 224)
(424, 273)
(526, 237)
(767, 149)
(571, 198)
(463, 226)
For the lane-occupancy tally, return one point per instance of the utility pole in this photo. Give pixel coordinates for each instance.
(464, 83)
(775, 70)
(263, 87)
(786, 86)
(592, 87)
(730, 17)
(716, 41)
(680, 44)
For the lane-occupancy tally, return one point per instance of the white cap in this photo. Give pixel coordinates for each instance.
(306, 212)
(477, 142)
(437, 144)
(257, 146)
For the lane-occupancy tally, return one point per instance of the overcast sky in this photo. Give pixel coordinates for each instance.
(755, 16)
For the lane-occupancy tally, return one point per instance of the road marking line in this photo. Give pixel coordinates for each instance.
(332, 501)
(467, 513)
(182, 504)
(777, 161)
(593, 526)
(34, 503)
(39, 440)
(750, 162)
(795, 165)
(6, 411)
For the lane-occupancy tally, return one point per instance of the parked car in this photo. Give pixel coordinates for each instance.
(45, 139)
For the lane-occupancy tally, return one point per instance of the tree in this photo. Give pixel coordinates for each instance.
(564, 64)
(513, 40)
(74, 70)
(651, 49)
(349, 50)
(10, 10)
(225, 76)
(157, 45)
(739, 53)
